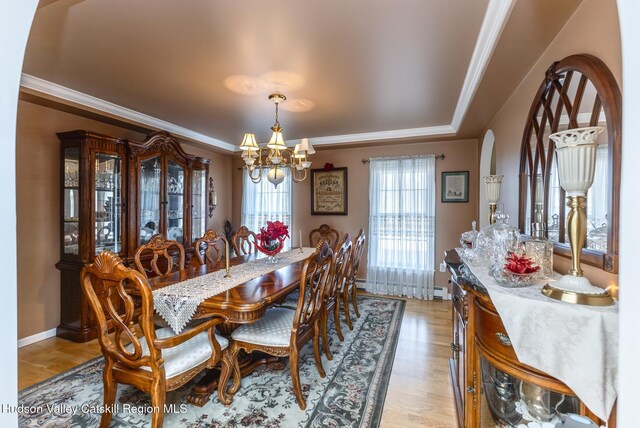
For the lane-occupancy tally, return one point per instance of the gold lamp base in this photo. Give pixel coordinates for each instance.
(603, 299)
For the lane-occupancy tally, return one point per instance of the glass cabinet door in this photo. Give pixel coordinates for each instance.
(149, 198)
(71, 220)
(199, 204)
(507, 401)
(175, 202)
(108, 203)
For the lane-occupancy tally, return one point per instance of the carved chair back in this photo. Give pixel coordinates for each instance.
(339, 273)
(326, 233)
(162, 260)
(313, 281)
(107, 284)
(244, 242)
(356, 257)
(209, 248)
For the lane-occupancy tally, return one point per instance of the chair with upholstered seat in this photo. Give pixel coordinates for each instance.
(160, 360)
(349, 288)
(162, 252)
(283, 332)
(209, 248)
(244, 241)
(332, 291)
(324, 233)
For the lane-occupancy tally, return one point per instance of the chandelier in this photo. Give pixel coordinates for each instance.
(276, 156)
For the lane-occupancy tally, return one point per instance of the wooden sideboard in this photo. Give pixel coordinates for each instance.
(486, 375)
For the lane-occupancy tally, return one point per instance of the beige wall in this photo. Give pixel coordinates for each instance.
(593, 29)
(451, 218)
(38, 207)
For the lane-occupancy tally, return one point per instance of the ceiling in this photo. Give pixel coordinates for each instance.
(358, 66)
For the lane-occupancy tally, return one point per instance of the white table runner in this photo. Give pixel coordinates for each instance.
(576, 344)
(177, 303)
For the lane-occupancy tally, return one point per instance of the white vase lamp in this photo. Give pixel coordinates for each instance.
(576, 155)
(493, 183)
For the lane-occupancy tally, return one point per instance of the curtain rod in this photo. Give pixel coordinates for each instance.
(440, 156)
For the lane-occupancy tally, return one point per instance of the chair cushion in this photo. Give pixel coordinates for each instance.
(274, 329)
(183, 357)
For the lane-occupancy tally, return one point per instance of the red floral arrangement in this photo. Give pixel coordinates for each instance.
(520, 264)
(272, 238)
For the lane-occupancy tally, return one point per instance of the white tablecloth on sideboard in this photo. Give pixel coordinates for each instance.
(576, 344)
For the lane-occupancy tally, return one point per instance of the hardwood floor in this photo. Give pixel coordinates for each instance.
(419, 393)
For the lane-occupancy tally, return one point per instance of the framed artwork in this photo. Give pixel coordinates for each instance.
(329, 191)
(455, 186)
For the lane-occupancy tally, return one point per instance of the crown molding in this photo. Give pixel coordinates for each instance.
(494, 20)
(67, 95)
(440, 130)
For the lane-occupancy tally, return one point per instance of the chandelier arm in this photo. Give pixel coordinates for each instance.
(252, 177)
(295, 171)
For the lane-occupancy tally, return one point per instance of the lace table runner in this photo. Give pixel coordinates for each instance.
(576, 344)
(177, 303)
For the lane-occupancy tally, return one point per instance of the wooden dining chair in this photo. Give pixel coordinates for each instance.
(283, 332)
(160, 360)
(162, 261)
(210, 248)
(349, 289)
(332, 291)
(244, 241)
(326, 233)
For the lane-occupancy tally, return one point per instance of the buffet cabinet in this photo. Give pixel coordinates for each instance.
(116, 194)
(491, 387)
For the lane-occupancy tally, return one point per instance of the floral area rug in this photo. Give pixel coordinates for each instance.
(351, 395)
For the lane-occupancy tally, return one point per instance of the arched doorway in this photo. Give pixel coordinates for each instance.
(487, 167)
(15, 22)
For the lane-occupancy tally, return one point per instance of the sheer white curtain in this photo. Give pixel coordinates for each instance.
(262, 202)
(402, 195)
(597, 207)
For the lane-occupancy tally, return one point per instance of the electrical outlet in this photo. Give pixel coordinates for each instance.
(443, 267)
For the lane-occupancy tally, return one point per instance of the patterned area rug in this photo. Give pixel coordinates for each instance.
(351, 395)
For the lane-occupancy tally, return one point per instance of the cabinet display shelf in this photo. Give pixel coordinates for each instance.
(491, 386)
(105, 189)
(71, 187)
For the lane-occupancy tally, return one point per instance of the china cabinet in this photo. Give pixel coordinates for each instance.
(492, 388)
(115, 194)
(169, 187)
(92, 216)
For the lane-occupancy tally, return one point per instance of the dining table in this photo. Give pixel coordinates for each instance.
(245, 303)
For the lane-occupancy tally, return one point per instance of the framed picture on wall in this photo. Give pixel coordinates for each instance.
(455, 186)
(329, 191)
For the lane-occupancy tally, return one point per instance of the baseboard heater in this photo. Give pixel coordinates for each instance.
(439, 293)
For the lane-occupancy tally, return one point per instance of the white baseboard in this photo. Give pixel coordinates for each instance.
(36, 337)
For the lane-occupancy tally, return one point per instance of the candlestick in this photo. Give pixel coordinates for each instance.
(300, 240)
(226, 257)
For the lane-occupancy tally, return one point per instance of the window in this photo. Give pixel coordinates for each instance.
(402, 226)
(262, 202)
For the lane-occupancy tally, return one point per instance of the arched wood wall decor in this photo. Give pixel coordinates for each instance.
(555, 104)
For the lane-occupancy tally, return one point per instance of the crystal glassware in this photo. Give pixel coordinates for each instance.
(509, 279)
(496, 241)
(540, 249)
(468, 238)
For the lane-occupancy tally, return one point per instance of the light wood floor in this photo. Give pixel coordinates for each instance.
(419, 393)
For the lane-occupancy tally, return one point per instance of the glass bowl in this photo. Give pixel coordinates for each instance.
(509, 279)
